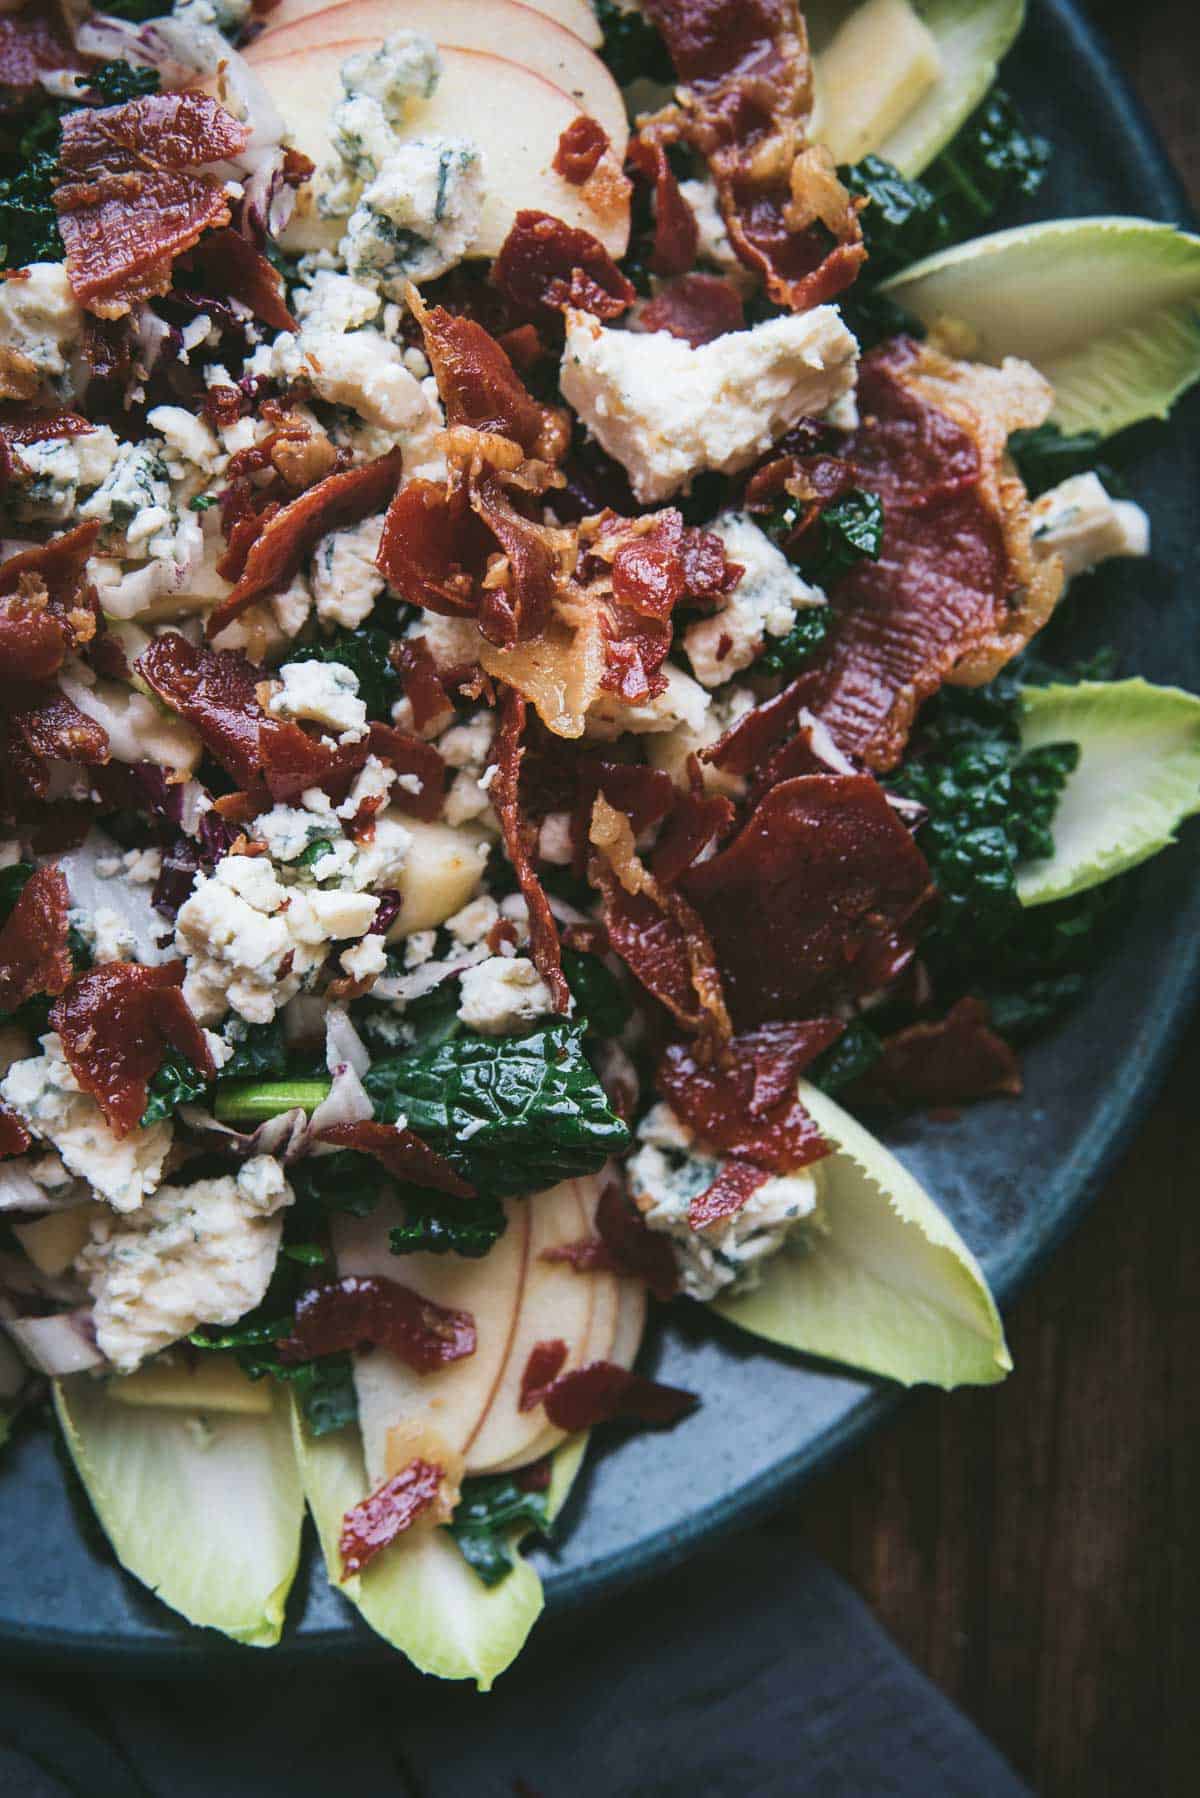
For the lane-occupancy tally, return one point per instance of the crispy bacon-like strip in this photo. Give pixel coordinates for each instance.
(294, 530)
(603, 1392)
(116, 1023)
(479, 386)
(819, 897)
(545, 265)
(748, 1106)
(386, 1513)
(580, 148)
(402, 1153)
(697, 307)
(949, 1061)
(47, 606)
(34, 954)
(136, 195)
(519, 842)
(745, 105)
(349, 1313)
(676, 235)
(224, 264)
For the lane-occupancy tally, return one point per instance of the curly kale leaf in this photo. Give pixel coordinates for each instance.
(902, 222)
(366, 651)
(492, 1514)
(259, 1051)
(848, 531)
(436, 1225)
(345, 1181)
(854, 1054)
(513, 1115)
(1046, 455)
(632, 47)
(174, 1082)
(788, 655)
(599, 994)
(117, 82)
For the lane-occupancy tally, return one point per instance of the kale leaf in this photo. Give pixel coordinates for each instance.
(366, 652)
(12, 885)
(513, 1115)
(903, 221)
(259, 1051)
(118, 81)
(993, 161)
(485, 1524)
(174, 1082)
(788, 655)
(437, 1225)
(599, 995)
(345, 1181)
(854, 1054)
(632, 47)
(848, 531)
(1046, 455)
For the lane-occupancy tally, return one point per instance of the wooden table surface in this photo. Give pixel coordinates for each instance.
(1036, 1547)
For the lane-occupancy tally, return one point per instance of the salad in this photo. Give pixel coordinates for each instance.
(527, 731)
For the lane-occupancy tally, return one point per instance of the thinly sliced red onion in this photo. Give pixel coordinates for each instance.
(59, 1345)
(346, 1103)
(21, 1193)
(134, 905)
(343, 1044)
(285, 1136)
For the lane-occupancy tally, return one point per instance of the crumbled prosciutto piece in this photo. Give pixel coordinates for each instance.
(394, 1507)
(747, 1105)
(31, 45)
(413, 757)
(434, 550)
(116, 1023)
(580, 148)
(402, 1153)
(697, 819)
(14, 1137)
(43, 726)
(676, 235)
(948, 1061)
(216, 691)
(820, 896)
(480, 388)
(279, 549)
(224, 264)
(633, 1247)
(47, 606)
(545, 265)
(136, 193)
(736, 1182)
(519, 607)
(34, 955)
(519, 845)
(697, 307)
(351, 1313)
(543, 1367)
(745, 106)
(421, 681)
(602, 1392)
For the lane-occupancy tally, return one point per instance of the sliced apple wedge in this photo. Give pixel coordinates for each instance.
(556, 1304)
(514, 115)
(527, 37)
(575, 16)
(631, 1323)
(455, 1399)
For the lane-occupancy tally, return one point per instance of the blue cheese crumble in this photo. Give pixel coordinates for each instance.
(763, 604)
(671, 1168)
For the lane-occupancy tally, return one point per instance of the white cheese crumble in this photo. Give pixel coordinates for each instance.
(405, 67)
(667, 411)
(42, 321)
(763, 604)
(343, 577)
(366, 959)
(671, 1168)
(323, 693)
(194, 1254)
(418, 216)
(503, 994)
(47, 1098)
(1081, 522)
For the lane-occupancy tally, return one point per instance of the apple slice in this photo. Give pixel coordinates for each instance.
(556, 1303)
(454, 1399)
(631, 1323)
(575, 16)
(527, 36)
(514, 115)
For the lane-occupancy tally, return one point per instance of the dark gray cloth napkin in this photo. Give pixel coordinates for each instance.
(751, 1671)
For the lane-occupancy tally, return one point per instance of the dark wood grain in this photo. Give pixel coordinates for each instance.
(1036, 1548)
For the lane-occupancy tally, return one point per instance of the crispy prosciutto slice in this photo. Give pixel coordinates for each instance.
(602, 1392)
(945, 1062)
(746, 1105)
(479, 386)
(736, 1183)
(580, 149)
(745, 105)
(676, 235)
(519, 840)
(697, 307)
(355, 1312)
(288, 536)
(401, 1152)
(14, 1137)
(34, 955)
(545, 265)
(116, 1023)
(136, 193)
(545, 1363)
(46, 605)
(624, 1244)
(957, 590)
(225, 265)
(819, 897)
(386, 1513)
(39, 726)
(32, 44)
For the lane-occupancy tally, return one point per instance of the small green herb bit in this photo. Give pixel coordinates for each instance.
(492, 1514)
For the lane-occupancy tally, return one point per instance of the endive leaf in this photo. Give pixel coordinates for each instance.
(205, 1508)
(1138, 777)
(888, 1286)
(420, 1595)
(1107, 308)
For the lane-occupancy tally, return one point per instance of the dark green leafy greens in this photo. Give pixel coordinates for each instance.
(344, 1181)
(259, 1051)
(437, 1225)
(29, 168)
(1046, 455)
(632, 47)
(366, 652)
(847, 532)
(174, 1082)
(492, 1515)
(513, 1115)
(788, 655)
(854, 1054)
(599, 994)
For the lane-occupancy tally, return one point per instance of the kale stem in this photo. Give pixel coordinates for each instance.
(253, 1101)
